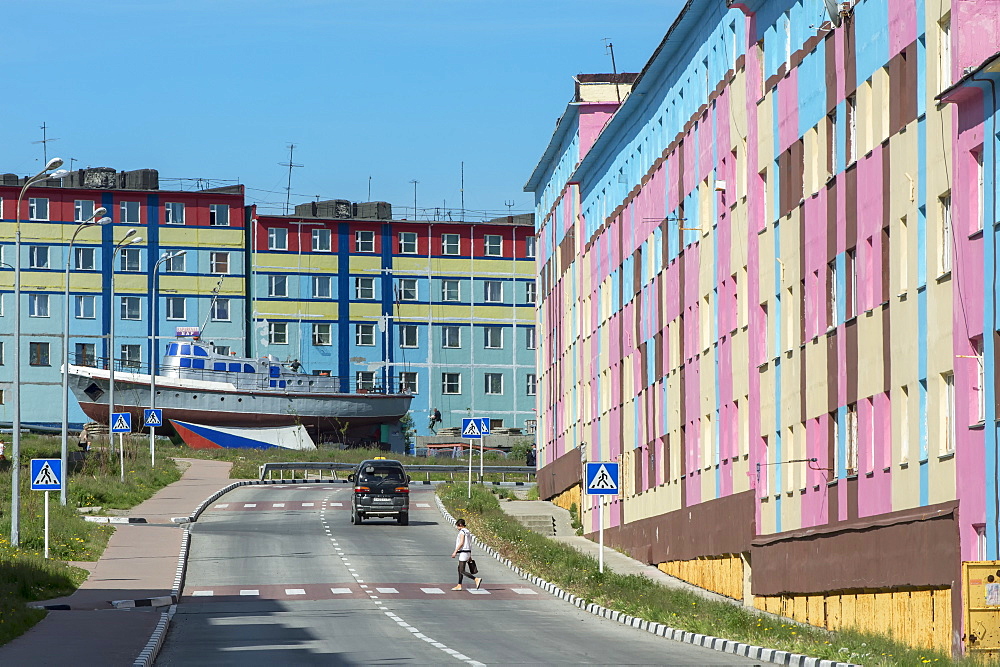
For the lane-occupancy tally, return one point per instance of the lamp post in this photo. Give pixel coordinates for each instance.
(15, 449)
(128, 240)
(93, 221)
(152, 362)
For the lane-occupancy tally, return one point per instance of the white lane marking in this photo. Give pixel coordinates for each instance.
(433, 591)
(524, 591)
(221, 506)
(250, 592)
(202, 593)
(294, 591)
(386, 590)
(336, 504)
(277, 504)
(309, 504)
(360, 581)
(423, 504)
(340, 591)
(479, 591)
(249, 504)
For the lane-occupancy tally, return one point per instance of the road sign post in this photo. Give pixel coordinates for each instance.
(152, 417)
(484, 429)
(121, 423)
(46, 475)
(471, 429)
(601, 479)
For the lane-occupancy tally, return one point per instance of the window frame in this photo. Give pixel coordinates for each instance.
(493, 245)
(125, 303)
(34, 253)
(491, 382)
(317, 281)
(490, 286)
(175, 264)
(213, 215)
(449, 282)
(277, 333)
(322, 334)
(125, 211)
(170, 209)
(364, 331)
(408, 289)
(272, 283)
(215, 310)
(39, 353)
(33, 205)
(39, 305)
(318, 240)
(126, 358)
(449, 379)
(364, 288)
(489, 333)
(126, 258)
(215, 260)
(409, 382)
(80, 306)
(530, 246)
(80, 214)
(409, 336)
(531, 384)
(170, 304)
(451, 241)
(445, 337)
(403, 244)
(273, 234)
(81, 251)
(360, 241)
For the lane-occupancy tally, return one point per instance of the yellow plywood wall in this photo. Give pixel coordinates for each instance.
(568, 497)
(719, 574)
(919, 618)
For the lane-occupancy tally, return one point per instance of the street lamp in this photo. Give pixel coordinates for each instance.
(93, 221)
(152, 362)
(128, 240)
(15, 449)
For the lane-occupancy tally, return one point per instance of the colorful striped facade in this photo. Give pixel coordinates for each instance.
(762, 291)
(445, 308)
(208, 225)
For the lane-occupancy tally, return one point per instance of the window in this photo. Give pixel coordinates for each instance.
(944, 52)
(130, 308)
(408, 335)
(852, 439)
(831, 161)
(493, 338)
(493, 245)
(129, 212)
(451, 383)
(83, 210)
(364, 334)
(131, 356)
(407, 289)
(321, 240)
(322, 334)
(948, 430)
(38, 354)
(980, 210)
(492, 291)
(449, 244)
(904, 243)
(852, 283)
(532, 385)
(831, 282)
(277, 333)
(85, 307)
(364, 241)
(277, 285)
(176, 308)
(529, 247)
(38, 305)
(39, 256)
(173, 213)
(852, 129)
(980, 388)
(322, 287)
(130, 259)
(220, 310)
(85, 354)
(176, 263)
(530, 342)
(38, 209)
(84, 259)
(451, 337)
(277, 238)
(530, 292)
(218, 215)
(365, 380)
(219, 263)
(223, 350)
(408, 383)
(449, 290)
(946, 232)
(494, 383)
(364, 288)
(408, 243)
(1, 353)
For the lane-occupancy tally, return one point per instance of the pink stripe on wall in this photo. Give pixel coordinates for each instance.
(788, 110)
(690, 148)
(705, 136)
(902, 25)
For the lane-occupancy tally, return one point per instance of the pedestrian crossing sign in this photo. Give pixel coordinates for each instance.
(121, 422)
(602, 478)
(46, 474)
(472, 428)
(153, 416)
(484, 426)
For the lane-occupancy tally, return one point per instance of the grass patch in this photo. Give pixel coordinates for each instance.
(25, 575)
(637, 596)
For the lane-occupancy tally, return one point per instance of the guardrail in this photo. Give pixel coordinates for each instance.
(268, 469)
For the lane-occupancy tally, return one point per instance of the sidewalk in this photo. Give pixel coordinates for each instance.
(140, 562)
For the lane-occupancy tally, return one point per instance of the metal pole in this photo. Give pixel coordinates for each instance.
(600, 517)
(111, 342)
(482, 453)
(153, 303)
(46, 524)
(470, 468)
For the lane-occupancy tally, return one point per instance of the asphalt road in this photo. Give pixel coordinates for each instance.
(278, 575)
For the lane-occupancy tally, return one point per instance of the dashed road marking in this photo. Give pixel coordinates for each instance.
(524, 591)
(387, 590)
(249, 504)
(433, 591)
(341, 591)
(203, 593)
(221, 506)
(249, 592)
(295, 591)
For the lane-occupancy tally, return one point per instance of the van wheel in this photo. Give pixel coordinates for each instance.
(354, 518)
(404, 519)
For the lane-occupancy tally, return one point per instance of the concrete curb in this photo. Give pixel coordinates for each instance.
(114, 519)
(750, 651)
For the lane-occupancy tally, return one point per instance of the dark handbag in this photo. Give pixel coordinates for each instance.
(473, 568)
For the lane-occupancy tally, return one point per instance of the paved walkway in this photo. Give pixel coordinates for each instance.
(140, 562)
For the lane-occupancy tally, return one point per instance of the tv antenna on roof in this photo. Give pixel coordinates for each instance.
(45, 142)
(611, 49)
(290, 164)
(509, 204)
(833, 9)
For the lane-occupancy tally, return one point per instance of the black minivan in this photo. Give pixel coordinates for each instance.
(381, 489)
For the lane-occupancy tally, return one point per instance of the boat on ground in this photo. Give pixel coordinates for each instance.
(199, 385)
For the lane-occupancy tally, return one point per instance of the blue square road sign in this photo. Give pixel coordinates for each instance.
(471, 428)
(46, 474)
(121, 422)
(601, 478)
(153, 417)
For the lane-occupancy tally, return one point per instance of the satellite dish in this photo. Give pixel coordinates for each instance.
(833, 9)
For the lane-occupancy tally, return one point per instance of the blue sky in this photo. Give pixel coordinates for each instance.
(391, 90)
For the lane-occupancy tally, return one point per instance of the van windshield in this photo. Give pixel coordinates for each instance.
(381, 473)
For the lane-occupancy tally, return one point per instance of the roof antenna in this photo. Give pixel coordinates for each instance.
(44, 142)
(290, 164)
(611, 49)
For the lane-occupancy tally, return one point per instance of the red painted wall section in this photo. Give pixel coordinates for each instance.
(975, 33)
(902, 25)
(593, 118)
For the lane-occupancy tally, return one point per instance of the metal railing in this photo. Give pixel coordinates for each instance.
(268, 469)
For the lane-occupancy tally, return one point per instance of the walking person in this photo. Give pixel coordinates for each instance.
(435, 419)
(463, 549)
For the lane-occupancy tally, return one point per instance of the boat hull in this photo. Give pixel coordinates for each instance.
(199, 436)
(326, 416)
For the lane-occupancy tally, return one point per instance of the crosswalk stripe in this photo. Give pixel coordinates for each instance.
(221, 506)
(202, 593)
(249, 504)
(250, 592)
(433, 591)
(295, 591)
(340, 591)
(386, 590)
